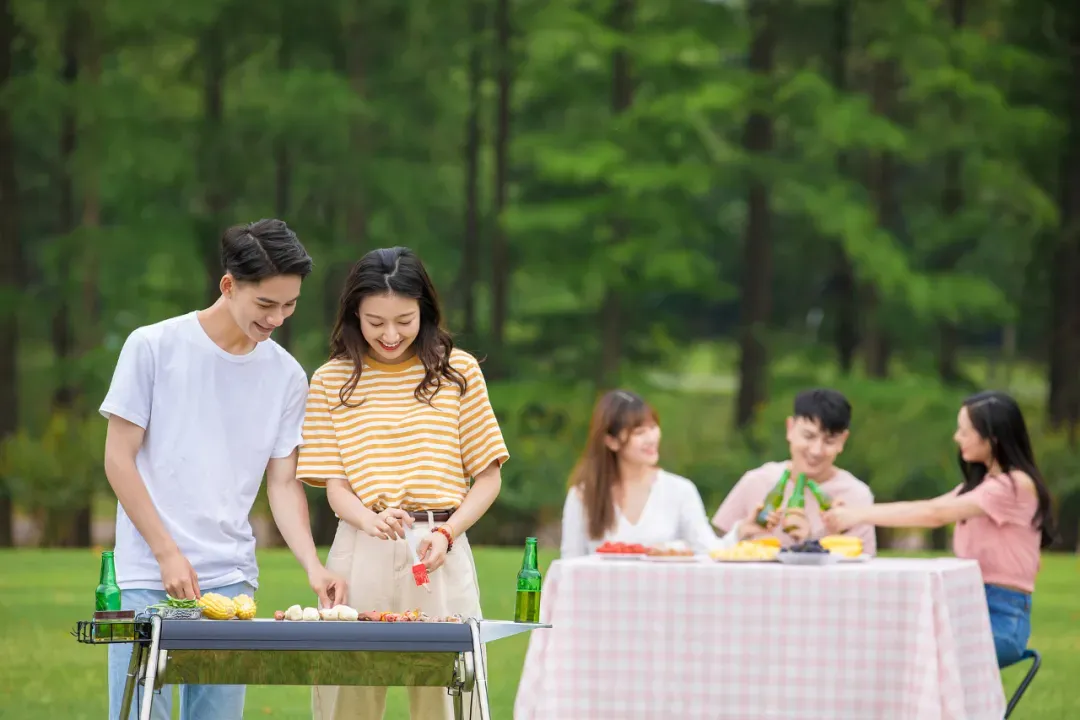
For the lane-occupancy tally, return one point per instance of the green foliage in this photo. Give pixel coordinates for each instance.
(59, 468)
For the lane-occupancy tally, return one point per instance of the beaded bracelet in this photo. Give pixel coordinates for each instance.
(448, 535)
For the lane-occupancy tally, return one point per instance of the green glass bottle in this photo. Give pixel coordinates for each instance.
(797, 502)
(823, 500)
(527, 608)
(773, 499)
(107, 597)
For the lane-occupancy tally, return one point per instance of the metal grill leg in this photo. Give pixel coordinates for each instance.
(462, 683)
(479, 670)
(131, 681)
(152, 662)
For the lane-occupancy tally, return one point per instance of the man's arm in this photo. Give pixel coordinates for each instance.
(289, 507)
(122, 442)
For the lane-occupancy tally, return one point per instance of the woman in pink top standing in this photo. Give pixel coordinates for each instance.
(1001, 510)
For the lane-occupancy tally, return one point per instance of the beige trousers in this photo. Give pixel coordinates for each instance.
(379, 573)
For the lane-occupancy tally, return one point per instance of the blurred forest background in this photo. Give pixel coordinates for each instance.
(715, 203)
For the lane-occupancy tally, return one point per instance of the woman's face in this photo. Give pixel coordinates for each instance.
(390, 324)
(974, 448)
(640, 446)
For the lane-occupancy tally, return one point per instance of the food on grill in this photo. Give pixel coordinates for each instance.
(807, 546)
(844, 545)
(345, 612)
(621, 548)
(745, 551)
(217, 607)
(245, 607)
(348, 614)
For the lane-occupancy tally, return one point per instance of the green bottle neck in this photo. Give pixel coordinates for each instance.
(529, 562)
(108, 570)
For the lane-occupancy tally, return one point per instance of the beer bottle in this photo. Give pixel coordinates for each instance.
(773, 499)
(797, 502)
(107, 597)
(823, 500)
(527, 608)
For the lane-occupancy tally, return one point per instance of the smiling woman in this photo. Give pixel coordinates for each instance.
(619, 493)
(398, 422)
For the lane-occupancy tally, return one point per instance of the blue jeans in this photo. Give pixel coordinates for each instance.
(1010, 621)
(197, 702)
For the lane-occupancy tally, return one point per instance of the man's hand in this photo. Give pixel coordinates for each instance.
(179, 577)
(797, 526)
(330, 587)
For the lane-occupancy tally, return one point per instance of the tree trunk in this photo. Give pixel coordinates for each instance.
(11, 272)
(756, 303)
(283, 175)
(952, 201)
(470, 251)
(622, 97)
(844, 284)
(500, 253)
(214, 148)
(878, 347)
(1064, 401)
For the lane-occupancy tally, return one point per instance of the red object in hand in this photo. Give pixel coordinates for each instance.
(420, 574)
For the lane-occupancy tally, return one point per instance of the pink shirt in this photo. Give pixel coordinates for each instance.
(1004, 541)
(755, 484)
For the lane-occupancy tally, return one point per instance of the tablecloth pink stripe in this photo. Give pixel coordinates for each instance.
(889, 639)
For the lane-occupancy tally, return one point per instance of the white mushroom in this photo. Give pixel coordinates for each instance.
(344, 612)
(311, 613)
(294, 613)
(328, 613)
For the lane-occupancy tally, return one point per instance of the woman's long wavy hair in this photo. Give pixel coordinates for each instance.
(597, 470)
(394, 271)
(998, 419)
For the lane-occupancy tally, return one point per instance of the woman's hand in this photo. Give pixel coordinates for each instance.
(432, 550)
(840, 518)
(387, 525)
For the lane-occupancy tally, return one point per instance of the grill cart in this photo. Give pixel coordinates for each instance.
(273, 652)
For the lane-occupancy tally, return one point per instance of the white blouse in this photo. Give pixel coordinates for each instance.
(673, 511)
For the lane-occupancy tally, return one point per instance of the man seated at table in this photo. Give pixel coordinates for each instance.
(816, 433)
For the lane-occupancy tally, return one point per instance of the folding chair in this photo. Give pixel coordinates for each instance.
(1036, 661)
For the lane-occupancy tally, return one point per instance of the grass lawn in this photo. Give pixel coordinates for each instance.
(44, 673)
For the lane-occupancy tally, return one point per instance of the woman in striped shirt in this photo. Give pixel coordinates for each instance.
(397, 423)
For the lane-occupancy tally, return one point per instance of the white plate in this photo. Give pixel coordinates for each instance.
(857, 559)
(673, 558)
(618, 556)
(792, 558)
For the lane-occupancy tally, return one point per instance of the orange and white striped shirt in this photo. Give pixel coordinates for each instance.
(394, 450)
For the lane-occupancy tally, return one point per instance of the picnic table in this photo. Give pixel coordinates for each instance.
(895, 639)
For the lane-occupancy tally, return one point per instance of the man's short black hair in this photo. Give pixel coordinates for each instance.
(828, 408)
(264, 249)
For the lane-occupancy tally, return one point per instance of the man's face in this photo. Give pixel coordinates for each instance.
(262, 307)
(813, 450)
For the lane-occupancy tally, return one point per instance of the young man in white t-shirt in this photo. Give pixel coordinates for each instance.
(201, 406)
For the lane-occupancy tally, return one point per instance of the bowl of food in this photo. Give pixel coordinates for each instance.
(808, 552)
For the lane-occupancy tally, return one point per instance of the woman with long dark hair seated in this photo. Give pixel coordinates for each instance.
(619, 493)
(1002, 511)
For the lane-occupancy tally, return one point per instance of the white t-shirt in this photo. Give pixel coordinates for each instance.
(213, 420)
(673, 511)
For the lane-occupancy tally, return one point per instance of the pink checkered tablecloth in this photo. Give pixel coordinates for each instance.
(890, 639)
